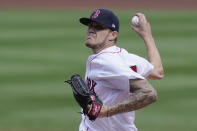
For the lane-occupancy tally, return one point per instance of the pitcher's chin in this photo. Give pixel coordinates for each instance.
(90, 45)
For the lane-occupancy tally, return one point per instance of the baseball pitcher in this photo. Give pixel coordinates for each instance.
(115, 80)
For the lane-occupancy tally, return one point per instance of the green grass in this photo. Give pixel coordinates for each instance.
(40, 49)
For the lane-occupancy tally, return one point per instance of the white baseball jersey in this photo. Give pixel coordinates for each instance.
(108, 74)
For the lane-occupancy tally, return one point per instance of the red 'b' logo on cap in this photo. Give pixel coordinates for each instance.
(96, 14)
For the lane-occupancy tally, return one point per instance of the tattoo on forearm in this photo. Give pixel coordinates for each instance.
(142, 95)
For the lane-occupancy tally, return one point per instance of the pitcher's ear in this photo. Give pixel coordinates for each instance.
(113, 35)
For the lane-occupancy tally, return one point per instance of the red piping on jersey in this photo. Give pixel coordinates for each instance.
(87, 128)
(103, 53)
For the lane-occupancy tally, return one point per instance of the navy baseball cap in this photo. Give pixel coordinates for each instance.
(104, 17)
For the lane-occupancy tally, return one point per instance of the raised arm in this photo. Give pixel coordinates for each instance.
(142, 95)
(144, 31)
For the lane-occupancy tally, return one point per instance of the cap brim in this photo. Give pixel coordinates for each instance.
(85, 21)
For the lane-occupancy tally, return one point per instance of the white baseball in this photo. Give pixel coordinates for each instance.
(135, 20)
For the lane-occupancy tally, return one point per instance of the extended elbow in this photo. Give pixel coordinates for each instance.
(161, 74)
(157, 74)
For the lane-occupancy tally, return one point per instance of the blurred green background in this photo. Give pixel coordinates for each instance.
(40, 49)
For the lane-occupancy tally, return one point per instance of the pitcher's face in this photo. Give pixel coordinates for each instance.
(97, 35)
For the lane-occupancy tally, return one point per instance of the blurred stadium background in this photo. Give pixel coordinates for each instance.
(41, 45)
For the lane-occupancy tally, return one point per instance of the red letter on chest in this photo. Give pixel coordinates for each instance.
(91, 84)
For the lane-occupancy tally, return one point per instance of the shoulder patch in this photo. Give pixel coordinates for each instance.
(134, 68)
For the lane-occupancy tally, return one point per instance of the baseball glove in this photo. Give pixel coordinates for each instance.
(87, 99)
